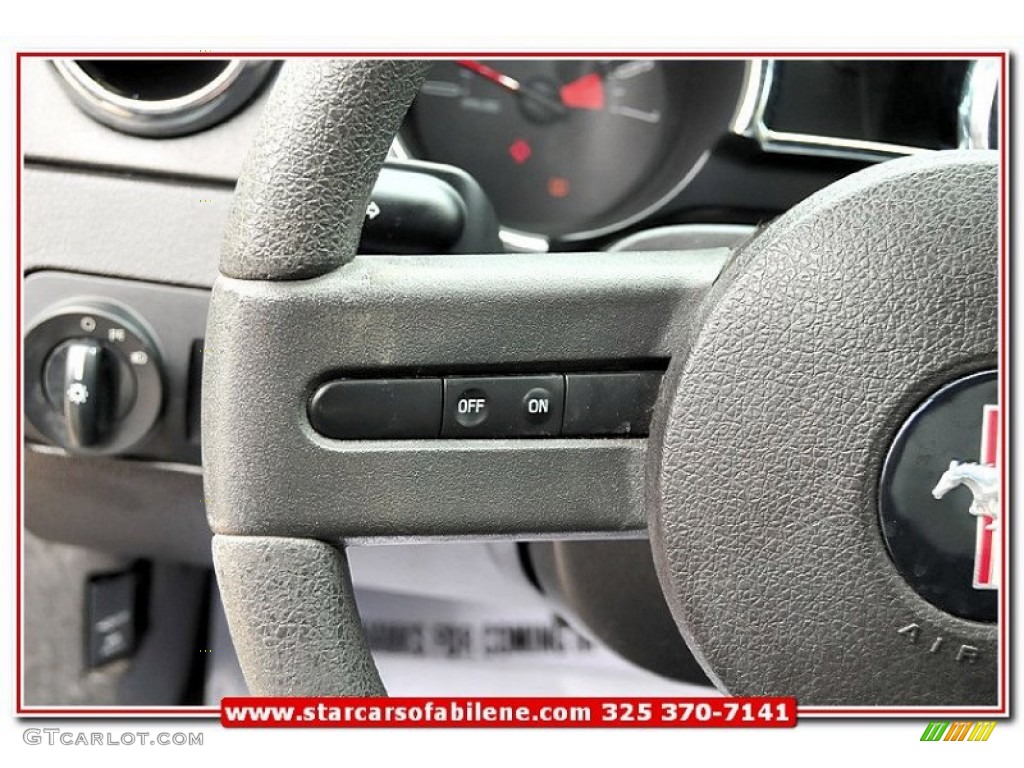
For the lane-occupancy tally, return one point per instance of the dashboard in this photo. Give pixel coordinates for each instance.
(572, 154)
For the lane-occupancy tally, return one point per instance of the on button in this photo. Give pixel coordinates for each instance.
(537, 406)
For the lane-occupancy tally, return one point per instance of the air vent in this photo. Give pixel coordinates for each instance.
(162, 97)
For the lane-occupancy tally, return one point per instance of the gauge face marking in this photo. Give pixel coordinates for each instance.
(631, 69)
(443, 88)
(651, 116)
(585, 92)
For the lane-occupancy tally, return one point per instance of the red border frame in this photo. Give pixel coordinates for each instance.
(1001, 709)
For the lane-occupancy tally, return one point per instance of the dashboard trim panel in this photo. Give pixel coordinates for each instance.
(750, 123)
(975, 113)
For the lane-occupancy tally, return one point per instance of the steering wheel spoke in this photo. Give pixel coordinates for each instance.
(271, 345)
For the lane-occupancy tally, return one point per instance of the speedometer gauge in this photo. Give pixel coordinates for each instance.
(571, 148)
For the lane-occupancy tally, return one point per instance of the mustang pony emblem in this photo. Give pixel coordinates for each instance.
(983, 483)
(982, 480)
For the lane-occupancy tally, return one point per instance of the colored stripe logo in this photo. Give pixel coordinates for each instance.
(960, 730)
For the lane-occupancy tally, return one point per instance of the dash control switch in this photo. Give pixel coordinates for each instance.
(503, 406)
(93, 380)
(112, 617)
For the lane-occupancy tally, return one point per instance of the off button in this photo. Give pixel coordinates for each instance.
(503, 406)
(471, 408)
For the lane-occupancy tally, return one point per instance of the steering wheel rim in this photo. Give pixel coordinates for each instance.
(280, 507)
(853, 331)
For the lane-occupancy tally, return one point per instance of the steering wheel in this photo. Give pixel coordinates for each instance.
(794, 364)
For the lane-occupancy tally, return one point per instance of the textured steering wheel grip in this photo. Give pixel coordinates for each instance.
(300, 633)
(298, 212)
(302, 195)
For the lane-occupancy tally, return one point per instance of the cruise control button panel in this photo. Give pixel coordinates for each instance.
(553, 405)
(503, 406)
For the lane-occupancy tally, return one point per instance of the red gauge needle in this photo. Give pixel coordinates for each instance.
(586, 92)
(489, 73)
